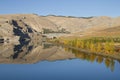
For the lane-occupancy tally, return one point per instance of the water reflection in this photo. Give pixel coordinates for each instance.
(110, 63)
(33, 52)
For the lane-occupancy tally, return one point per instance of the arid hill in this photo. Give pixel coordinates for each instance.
(31, 27)
(25, 26)
(86, 25)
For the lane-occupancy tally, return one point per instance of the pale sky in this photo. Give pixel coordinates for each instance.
(80, 8)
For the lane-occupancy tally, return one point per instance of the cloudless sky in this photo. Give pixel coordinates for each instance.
(62, 7)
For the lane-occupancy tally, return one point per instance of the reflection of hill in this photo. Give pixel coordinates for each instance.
(32, 52)
(6, 51)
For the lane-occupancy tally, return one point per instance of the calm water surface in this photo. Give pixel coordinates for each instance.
(36, 61)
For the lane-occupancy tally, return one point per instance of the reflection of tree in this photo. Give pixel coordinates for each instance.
(92, 57)
(81, 56)
(66, 49)
(112, 65)
(88, 57)
(75, 51)
(99, 59)
(107, 62)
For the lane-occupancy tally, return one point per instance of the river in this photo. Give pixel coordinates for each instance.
(45, 61)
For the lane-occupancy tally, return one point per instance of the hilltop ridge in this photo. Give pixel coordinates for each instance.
(31, 24)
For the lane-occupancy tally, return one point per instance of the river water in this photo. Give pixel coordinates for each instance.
(45, 61)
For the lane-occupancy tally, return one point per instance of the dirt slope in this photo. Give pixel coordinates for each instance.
(75, 25)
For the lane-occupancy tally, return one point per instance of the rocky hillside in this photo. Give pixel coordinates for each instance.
(32, 20)
(24, 26)
(27, 26)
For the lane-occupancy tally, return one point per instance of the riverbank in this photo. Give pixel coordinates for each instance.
(115, 55)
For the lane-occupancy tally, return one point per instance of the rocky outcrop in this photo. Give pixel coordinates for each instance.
(32, 20)
(13, 28)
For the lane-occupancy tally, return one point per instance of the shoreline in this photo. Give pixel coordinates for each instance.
(112, 56)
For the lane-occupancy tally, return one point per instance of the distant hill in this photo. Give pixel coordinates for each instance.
(32, 24)
(82, 24)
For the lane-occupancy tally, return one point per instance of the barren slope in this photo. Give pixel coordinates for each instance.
(84, 25)
(75, 25)
(34, 21)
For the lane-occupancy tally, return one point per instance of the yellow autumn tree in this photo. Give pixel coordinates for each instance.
(112, 50)
(87, 45)
(92, 47)
(99, 47)
(107, 47)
